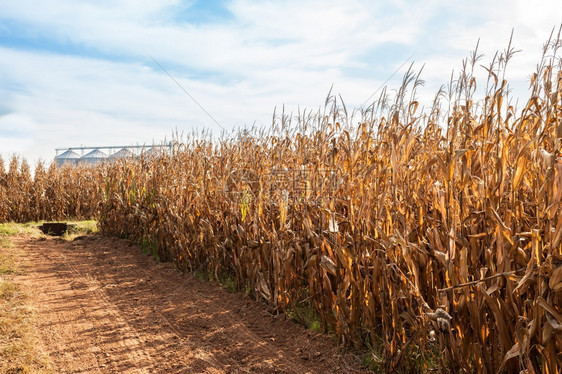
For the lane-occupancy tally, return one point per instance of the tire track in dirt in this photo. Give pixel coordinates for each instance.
(105, 314)
(104, 307)
(73, 307)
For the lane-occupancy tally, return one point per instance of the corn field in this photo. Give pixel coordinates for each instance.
(432, 236)
(52, 194)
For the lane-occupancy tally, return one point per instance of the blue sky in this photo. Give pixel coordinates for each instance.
(79, 73)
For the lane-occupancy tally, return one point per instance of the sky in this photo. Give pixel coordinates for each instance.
(80, 73)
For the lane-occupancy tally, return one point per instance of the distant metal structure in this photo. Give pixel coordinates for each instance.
(67, 158)
(122, 153)
(95, 155)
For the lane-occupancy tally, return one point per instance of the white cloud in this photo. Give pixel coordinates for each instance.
(17, 133)
(266, 54)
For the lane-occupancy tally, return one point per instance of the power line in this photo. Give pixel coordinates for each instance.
(187, 93)
(389, 78)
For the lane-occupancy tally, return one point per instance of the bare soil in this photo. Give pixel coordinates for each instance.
(105, 307)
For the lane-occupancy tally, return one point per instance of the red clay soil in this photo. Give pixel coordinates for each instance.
(105, 307)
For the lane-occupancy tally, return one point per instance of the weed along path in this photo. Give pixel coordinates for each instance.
(105, 307)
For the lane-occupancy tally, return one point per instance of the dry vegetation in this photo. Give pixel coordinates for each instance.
(53, 194)
(434, 237)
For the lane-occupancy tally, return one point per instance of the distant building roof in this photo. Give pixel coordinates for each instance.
(68, 155)
(123, 153)
(155, 152)
(96, 153)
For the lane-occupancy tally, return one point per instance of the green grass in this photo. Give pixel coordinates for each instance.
(305, 315)
(84, 227)
(80, 228)
(225, 280)
(149, 247)
(11, 228)
(414, 359)
(76, 229)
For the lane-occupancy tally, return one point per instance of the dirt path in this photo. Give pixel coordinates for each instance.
(105, 307)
